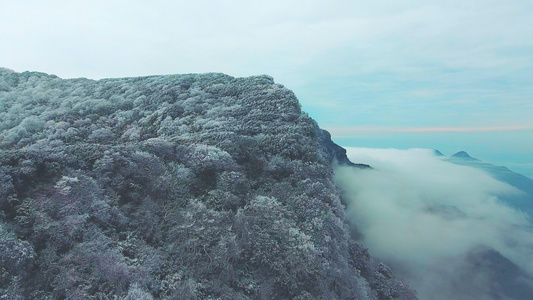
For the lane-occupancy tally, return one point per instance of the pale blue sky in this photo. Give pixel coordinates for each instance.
(457, 75)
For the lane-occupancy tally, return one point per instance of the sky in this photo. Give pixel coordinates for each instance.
(452, 75)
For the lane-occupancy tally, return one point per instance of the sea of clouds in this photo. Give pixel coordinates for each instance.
(430, 220)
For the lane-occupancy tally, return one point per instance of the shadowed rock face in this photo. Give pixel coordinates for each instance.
(337, 152)
(172, 187)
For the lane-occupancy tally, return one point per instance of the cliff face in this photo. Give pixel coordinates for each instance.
(172, 187)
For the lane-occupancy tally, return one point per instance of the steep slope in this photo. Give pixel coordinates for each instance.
(172, 187)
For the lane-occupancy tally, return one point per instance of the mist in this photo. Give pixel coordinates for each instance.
(439, 225)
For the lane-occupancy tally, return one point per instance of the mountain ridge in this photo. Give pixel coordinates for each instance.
(522, 201)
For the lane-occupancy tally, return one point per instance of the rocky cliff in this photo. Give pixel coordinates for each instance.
(172, 187)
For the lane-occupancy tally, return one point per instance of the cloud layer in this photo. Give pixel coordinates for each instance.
(428, 218)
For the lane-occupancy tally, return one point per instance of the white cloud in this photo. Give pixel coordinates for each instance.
(425, 216)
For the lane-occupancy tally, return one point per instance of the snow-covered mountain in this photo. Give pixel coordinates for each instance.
(198, 186)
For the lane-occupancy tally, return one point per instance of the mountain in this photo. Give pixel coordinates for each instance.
(437, 153)
(522, 201)
(196, 186)
(508, 280)
(463, 155)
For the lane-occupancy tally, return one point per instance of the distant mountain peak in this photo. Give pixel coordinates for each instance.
(463, 155)
(437, 152)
